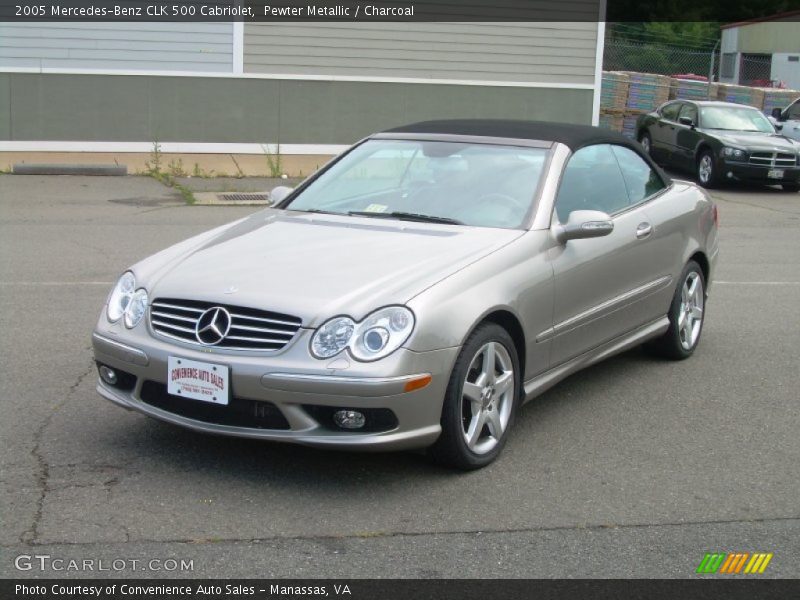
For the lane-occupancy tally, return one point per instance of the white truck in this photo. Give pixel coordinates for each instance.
(789, 119)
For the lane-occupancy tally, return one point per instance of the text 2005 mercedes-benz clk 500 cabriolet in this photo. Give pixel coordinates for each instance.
(416, 291)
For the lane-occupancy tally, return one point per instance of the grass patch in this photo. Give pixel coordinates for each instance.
(168, 177)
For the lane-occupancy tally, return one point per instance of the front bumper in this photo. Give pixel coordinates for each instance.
(293, 382)
(742, 171)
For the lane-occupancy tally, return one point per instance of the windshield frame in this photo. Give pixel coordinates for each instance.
(527, 220)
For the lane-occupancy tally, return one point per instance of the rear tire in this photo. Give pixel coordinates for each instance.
(686, 316)
(481, 400)
(707, 170)
(790, 187)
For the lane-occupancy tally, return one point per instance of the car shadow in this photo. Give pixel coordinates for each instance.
(295, 465)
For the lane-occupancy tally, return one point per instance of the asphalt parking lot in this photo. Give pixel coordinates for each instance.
(633, 468)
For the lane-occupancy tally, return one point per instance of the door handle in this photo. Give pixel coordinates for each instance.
(643, 230)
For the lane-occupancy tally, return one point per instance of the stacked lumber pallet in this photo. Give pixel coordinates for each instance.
(647, 91)
(614, 91)
(741, 94)
(688, 89)
(775, 98)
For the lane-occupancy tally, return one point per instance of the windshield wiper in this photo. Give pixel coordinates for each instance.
(316, 210)
(406, 216)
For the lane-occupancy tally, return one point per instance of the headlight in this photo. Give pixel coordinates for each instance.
(121, 296)
(380, 334)
(126, 301)
(136, 308)
(332, 337)
(733, 152)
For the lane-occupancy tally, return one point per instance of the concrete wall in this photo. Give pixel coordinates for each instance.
(768, 37)
(786, 68)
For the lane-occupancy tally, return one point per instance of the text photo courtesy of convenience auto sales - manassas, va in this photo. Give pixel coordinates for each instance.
(391, 299)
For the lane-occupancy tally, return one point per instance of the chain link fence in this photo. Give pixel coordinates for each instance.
(660, 59)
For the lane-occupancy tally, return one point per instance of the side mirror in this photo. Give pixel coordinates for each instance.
(778, 126)
(279, 194)
(688, 121)
(584, 224)
(777, 114)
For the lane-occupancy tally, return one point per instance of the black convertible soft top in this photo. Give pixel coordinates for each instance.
(573, 136)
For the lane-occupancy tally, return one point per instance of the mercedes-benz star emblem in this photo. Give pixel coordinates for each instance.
(212, 326)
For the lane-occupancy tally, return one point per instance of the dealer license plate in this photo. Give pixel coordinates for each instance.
(775, 174)
(198, 380)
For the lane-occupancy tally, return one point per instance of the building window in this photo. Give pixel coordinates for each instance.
(794, 59)
(728, 65)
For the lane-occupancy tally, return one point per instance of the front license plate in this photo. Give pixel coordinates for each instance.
(198, 380)
(775, 174)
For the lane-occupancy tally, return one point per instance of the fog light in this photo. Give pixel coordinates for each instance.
(108, 375)
(349, 419)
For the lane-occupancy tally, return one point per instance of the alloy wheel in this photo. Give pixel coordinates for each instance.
(690, 315)
(487, 397)
(705, 168)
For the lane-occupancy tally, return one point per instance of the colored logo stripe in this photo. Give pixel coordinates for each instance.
(733, 562)
(759, 562)
(710, 563)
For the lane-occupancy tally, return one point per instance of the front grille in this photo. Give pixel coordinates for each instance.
(251, 329)
(240, 412)
(773, 159)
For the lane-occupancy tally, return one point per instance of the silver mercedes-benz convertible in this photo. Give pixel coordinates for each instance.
(416, 291)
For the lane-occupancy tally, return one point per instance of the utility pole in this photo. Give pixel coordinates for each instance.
(711, 68)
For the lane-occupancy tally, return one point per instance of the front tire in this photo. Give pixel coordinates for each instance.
(790, 187)
(686, 316)
(481, 400)
(707, 170)
(646, 142)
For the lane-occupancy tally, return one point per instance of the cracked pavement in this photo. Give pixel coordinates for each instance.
(633, 468)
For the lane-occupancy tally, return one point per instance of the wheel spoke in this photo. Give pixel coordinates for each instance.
(696, 312)
(493, 421)
(489, 363)
(504, 383)
(682, 319)
(687, 330)
(472, 392)
(692, 286)
(475, 428)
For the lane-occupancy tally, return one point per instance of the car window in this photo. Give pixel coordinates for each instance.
(794, 111)
(592, 180)
(689, 110)
(670, 111)
(641, 180)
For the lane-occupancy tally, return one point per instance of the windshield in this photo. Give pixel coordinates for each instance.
(443, 182)
(735, 119)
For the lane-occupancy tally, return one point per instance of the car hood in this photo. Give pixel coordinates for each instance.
(316, 266)
(756, 141)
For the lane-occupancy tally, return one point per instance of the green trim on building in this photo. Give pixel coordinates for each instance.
(139, 108)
